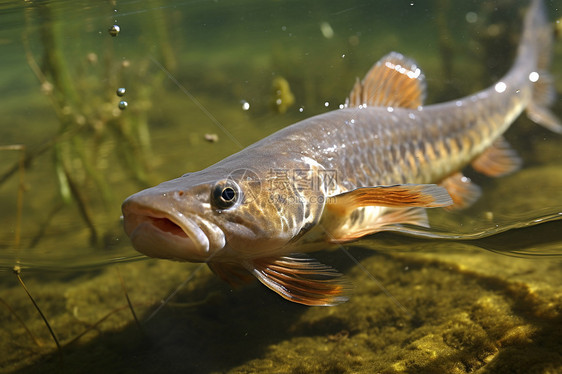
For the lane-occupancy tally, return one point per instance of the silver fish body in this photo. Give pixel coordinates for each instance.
(371, 166)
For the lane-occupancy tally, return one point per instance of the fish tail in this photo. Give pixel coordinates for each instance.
(536, 44)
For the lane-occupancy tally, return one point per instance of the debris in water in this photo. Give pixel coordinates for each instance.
(326, 30)
(92, 58)
(212, 138)
(283, 98)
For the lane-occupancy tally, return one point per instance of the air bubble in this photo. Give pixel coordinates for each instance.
(114, 30)
(123, 105)
(121, 91)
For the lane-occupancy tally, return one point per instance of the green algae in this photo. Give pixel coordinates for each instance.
(465, 310)
(282, 98)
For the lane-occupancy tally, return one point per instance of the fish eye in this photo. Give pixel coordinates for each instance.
(225, 194)
(228, 194)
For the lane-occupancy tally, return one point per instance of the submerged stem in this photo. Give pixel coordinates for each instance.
(17, 271)
(129, 300)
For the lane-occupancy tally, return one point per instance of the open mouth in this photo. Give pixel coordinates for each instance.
(165, 234)
(166, 225)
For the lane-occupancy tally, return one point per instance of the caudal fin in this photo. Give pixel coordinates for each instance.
(537, 39)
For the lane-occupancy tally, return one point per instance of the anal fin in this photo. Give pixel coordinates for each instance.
(498, 160)
(302, 280)
(463, 192)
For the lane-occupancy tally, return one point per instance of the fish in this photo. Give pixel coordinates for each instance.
(376, 164)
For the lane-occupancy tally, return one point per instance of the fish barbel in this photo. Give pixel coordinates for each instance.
(372, 166)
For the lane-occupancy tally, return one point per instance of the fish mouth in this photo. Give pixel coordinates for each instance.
(170, 234)
(166, 225)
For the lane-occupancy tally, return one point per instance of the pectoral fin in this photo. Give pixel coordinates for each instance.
(392, 220)
(302, 280)
(386, 208)
(401, 195)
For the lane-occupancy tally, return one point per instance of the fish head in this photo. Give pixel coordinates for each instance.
(206, 216)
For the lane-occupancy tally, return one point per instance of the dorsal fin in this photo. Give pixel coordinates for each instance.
(394, 81)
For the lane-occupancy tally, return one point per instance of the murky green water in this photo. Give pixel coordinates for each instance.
(455, 306)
